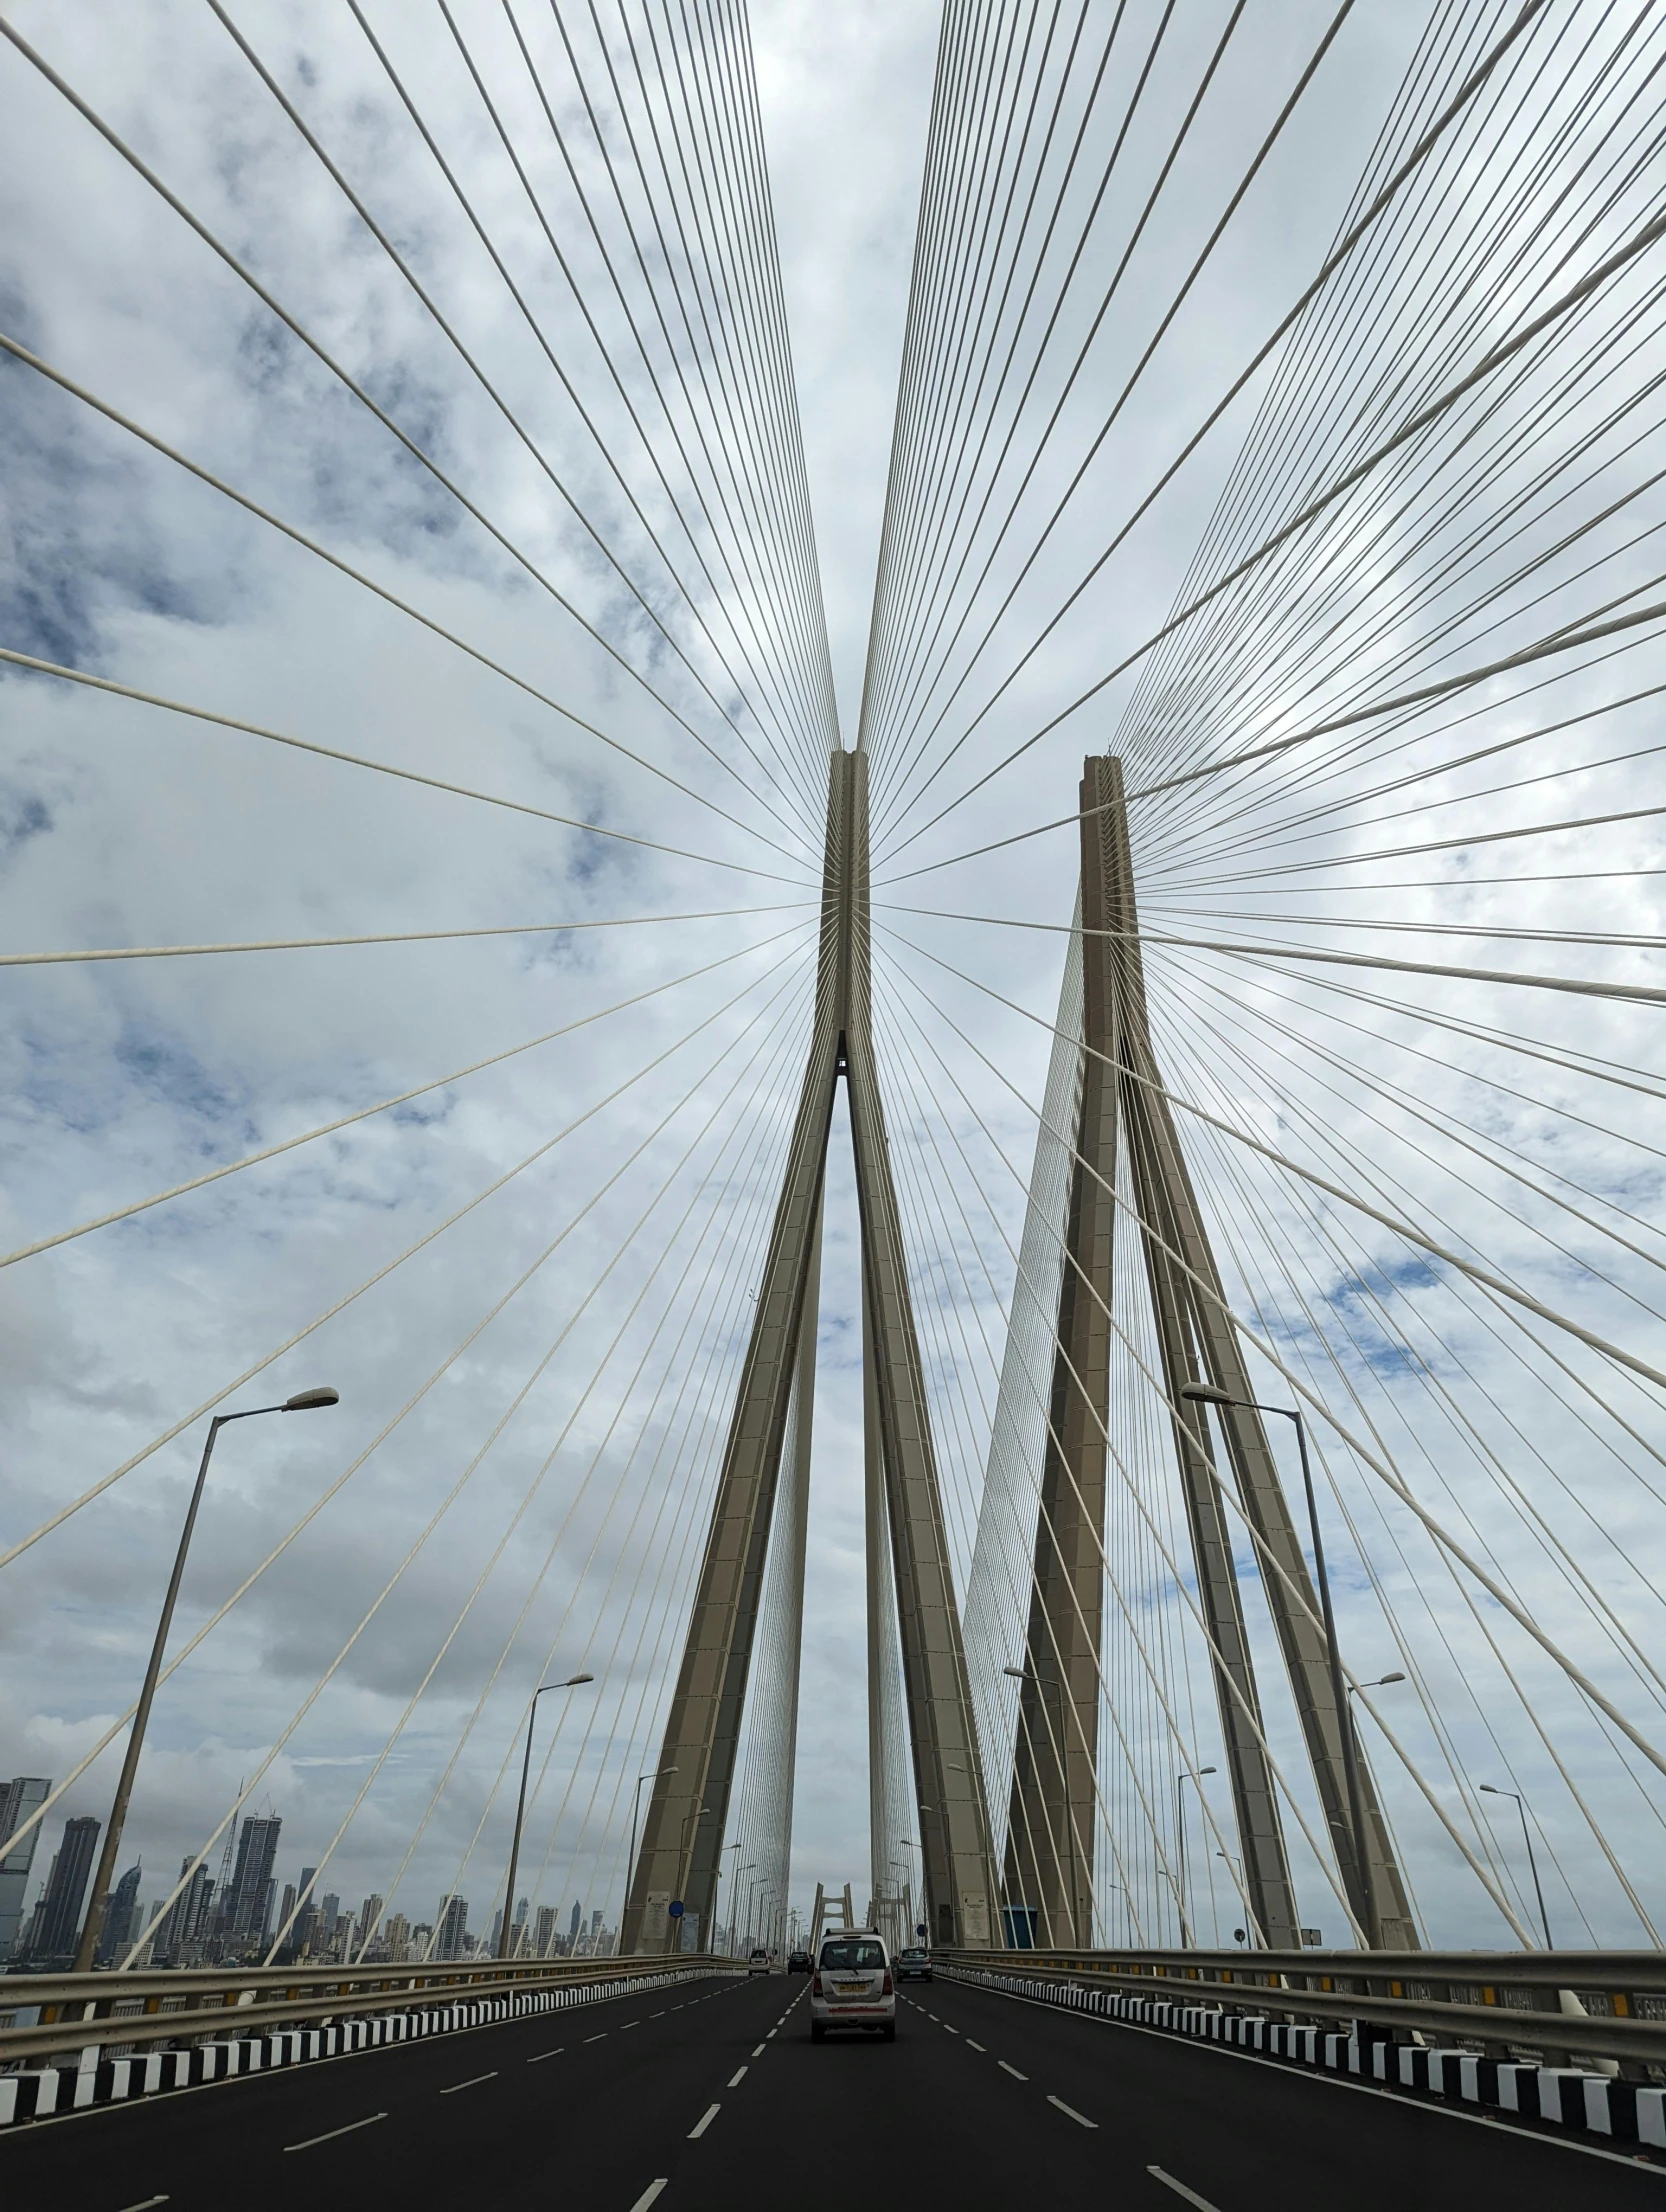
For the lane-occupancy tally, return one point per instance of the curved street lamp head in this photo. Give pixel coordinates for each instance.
(572, 1682)
(306, 1401)
(1206, 1770)
(1205, 1394)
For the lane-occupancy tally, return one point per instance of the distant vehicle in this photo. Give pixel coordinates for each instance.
(914, 1964)
(758, 1963)
(852, 1987)
(799, 1963)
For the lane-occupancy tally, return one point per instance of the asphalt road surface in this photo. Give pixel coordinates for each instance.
(711, 2098)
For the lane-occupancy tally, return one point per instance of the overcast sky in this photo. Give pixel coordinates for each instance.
(580, 1410)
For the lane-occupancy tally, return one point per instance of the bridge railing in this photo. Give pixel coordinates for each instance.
(107, 2011)
(1602, 2006)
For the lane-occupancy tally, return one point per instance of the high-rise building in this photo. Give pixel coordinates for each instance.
(121, 1918)
(330, 1906)
(370, 1912)
(595, 1923)
(243, 1908)
(58, 1922)
(453, 1927)
(396, 1937)
(185, 1924)
(18, 1800)
(574, 1924)
(287, 1909)
(543, 1931)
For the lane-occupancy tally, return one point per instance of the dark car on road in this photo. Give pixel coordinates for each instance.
(914, 1965)
(799, 1963)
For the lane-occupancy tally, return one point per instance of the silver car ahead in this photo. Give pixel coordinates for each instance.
(853, 1987)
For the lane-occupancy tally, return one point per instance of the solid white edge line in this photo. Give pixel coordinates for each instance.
(1180, 2189)
(330, 2134)
(1081, 2119)
(649, 2195)
(472, 2083)
(705, 2120)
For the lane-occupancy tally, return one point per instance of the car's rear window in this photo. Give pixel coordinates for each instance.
(866, 1958)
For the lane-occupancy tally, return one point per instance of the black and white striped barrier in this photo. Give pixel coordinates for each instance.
(49, 2090)
(1623, 2111)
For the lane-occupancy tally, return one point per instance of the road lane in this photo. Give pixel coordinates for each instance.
(1176, 2119)
(721, 2103)
(590, 2120)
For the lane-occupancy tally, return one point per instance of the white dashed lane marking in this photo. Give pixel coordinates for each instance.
(473, 2082)
(1070, 2113)
(737, 2078)
(705, 2120)
(1180, 2189)
(542, 2055)
(144, 2204)
(1012, 2070)
(649, 2195)
(595, 2038)
(949, 2030)
(971, 2046)
(759, 2052)
(330, 2135)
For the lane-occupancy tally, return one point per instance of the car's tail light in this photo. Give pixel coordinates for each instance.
(887, 1988)
(815, 1985)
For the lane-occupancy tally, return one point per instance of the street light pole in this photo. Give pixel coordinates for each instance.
(304, 1401)
(1180, 1848)
(630, 1864)
(506, 1938)
(1043, 1683)
(682, 1862)
(734, 1894)
(1533, 1864)
(1204, 1394)
(734, 1902)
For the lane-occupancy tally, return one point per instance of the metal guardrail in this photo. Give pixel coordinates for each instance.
(78, 2010)
(1494, 2001)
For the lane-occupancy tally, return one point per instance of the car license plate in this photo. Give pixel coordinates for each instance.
(850, 1989)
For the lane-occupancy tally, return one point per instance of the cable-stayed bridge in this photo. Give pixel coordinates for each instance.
(958, 1100)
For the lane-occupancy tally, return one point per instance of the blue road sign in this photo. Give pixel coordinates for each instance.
(675, 1908)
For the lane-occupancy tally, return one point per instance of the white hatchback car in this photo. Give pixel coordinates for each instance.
(853, 1986)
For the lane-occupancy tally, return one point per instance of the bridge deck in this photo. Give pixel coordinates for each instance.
(982, 2102)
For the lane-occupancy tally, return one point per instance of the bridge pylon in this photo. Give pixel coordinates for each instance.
(682, 1835)
(1122, 1104)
